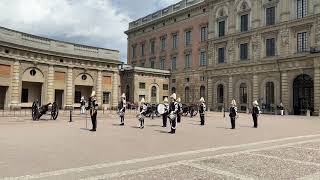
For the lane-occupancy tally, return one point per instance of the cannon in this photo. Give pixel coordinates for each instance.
(191, 110)
(37, 112)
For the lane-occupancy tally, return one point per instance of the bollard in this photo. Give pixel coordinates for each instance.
(70, 115)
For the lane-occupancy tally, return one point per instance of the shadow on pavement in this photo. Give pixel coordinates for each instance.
(162, 131)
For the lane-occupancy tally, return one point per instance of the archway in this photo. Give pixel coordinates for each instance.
(187, 95)
(128, 92)
(203, 92)
(303, 96)
(32, 86)
(270, 96)
(154, 95)
(84, 84)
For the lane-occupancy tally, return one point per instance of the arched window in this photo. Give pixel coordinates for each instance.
(154, 92)
(243, 93)
(203, 92)
(173, 90)
(269, 93)
(187, 94)
(220, 93)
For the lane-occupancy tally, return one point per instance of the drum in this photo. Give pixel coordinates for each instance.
(161, 109)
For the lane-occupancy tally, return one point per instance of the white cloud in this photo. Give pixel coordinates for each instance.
(93, 22)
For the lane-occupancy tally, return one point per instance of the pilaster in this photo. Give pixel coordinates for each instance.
(230, 91)
(210, 92)
(15, 85)
(284, 10)
(69, 91)
(50, 88)
(115, 89)
(317, 88)
(99, 88)
(285, 91)
(255, 87)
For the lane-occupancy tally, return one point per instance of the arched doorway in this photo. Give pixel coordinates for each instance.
(173, 90)
(128, 92)
(203, 92)
(220, 94)
(187, 95)
(270, 100)
(303, 96)
(243, 97)
(154, 95)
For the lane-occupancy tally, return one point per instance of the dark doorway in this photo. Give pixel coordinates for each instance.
(303, 94)
(3, 93)
(58, 98)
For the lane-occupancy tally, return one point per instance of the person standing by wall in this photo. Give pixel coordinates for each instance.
(255, 113)
(233, 113)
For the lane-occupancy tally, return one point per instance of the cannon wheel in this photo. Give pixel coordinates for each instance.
(54, 111)
(34, 111)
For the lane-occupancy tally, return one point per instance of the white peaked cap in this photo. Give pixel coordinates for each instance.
(82, 98)
(142, 100)
(255, 103)
(179, 99)
(233, 102)
(202, 99)
(174, 96)
(165, 100)
(93, 93)
(123, 95)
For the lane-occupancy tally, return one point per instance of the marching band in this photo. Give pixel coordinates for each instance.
(171, 111)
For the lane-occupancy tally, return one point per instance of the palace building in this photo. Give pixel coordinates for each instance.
(37, 68)
(265, 50)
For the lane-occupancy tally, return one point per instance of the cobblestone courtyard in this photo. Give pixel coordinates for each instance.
(281, 148)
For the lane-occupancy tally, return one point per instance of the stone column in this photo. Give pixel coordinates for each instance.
(285, 10)
(316, 6)
(115, 89)
(15, 86)
(317, 88)
(209, 95)
(230, 91)
(256, 14)
(255, 87)
(69, 93)
(99, 88)
(285, 91)
(50, 88)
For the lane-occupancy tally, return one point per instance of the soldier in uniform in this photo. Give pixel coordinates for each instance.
(122, 109)
(233, 114)
(93, 107)
(202, 111)
(173, 111)
(143, 111)
(82, 105)
(255, 113)
(179, 110)
(165, 115)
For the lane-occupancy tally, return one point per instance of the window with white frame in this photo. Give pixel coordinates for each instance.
(188, 37)
(302, 42)
(175, 41)
(302, 8)
(204, 33)
(174, 63)
(203, 58)
(187, 61)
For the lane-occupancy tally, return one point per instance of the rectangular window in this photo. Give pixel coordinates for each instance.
(77, 96)
(302, 42)
(244, 20)
(188, 61)
(162, 60)
(270, 16)
(244, 51)
(134, 51)
(203, 58)
(165, 87)
(142, 85)
(152, 47)
(302, 8)
(188, 38)
(221, 55)
(152, 64)
(106, 98)
(204, 33)
(222, 28)
(163, 43)
(174, 63)
(175, 41)
(24, 95)
(142, 50)
(270, 47)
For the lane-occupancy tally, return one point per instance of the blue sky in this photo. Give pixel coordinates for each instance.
(98, 23)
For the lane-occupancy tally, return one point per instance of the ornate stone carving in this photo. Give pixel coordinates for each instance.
(284, 34)
(231, 50)
(255, 39)
(317, 32)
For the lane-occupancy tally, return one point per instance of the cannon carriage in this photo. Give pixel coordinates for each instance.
(50, 109)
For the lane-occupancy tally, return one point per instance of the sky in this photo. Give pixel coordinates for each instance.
(99, 23)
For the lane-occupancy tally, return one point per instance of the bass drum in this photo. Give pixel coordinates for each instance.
(161, 109)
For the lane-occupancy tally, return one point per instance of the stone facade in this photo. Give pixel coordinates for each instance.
(36, 68)
(290, 75)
